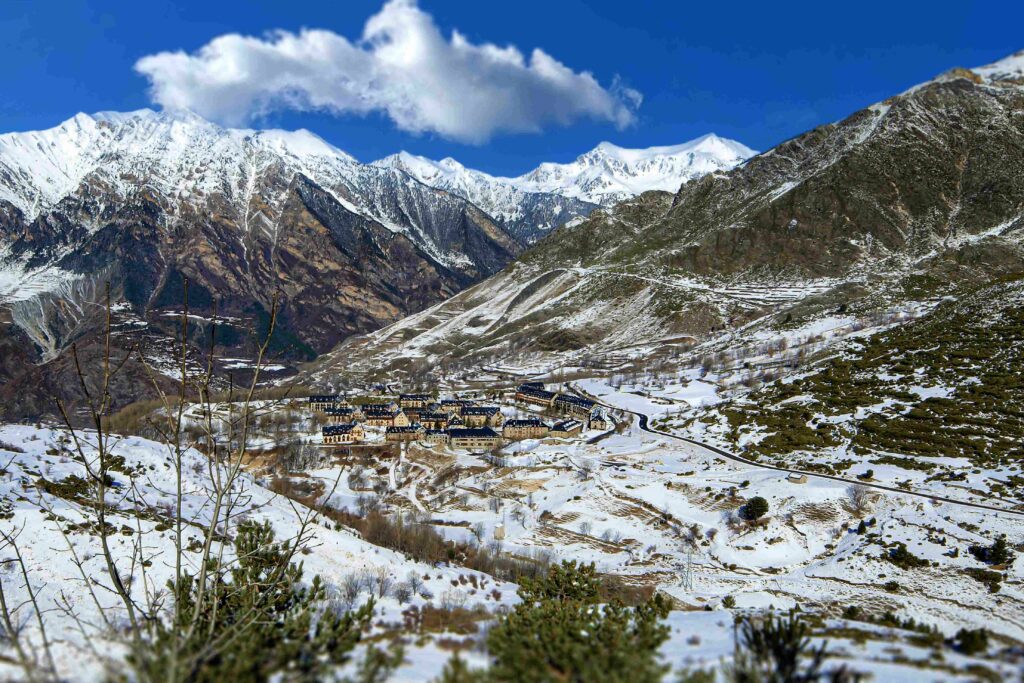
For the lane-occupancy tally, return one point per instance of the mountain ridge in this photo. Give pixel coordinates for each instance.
(905, 200)
(601, 176)
(146, 200)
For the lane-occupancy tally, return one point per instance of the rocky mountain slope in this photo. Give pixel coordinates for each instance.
(907, 200)
(526, 214)
(146, 200)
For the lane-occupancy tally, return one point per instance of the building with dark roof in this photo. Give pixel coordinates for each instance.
(535, 396)
(436, 436)
(471, 438)
(482, 416)
(414, 400)
(408, 433)
(566, 428)
(454, 406)
(323, 402)
(434, 419)
(573, 405)
(343, 433)
(530, 428)
(343, 414)
(385, 415)
(598, 420)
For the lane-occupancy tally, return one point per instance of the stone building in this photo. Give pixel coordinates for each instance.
(530, 428)
(455, 406)
(435, 436)
(321, 403)
(344, 414)
(574, 406)
(598, 420)
(534, 395)
(407, 433)
(434, 419)
(385, 415)
(482, 416)
(474, 438)
(414, 400)
(343, 433)
(566, 428)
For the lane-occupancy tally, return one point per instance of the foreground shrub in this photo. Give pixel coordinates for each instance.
(904, 559)
(256, 621)
(778, 650)
(559, 633)
(997, 553)
(971, 641)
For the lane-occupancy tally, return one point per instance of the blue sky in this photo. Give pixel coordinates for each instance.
(758, 72)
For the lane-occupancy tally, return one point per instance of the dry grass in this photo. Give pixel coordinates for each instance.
(431, 619)
(824, 513)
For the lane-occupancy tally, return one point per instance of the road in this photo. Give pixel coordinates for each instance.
(645, 425)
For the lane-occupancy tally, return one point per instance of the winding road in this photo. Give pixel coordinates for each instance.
(645, 425)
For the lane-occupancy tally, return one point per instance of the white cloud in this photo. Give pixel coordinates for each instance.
(402, 66)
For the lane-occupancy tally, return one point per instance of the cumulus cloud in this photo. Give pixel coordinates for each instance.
(402, 66)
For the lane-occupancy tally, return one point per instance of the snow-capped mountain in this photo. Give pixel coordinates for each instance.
(603, 176)
(188, 160)
(527, 214)
(146, 200)
(608, 174)
(918, 196)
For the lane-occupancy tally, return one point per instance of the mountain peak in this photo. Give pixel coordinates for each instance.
(609, 173)
(710, 143)
(1009, 68)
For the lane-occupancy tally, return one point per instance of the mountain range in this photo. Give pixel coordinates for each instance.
(147, 200)
(602, 177)
(911, 199)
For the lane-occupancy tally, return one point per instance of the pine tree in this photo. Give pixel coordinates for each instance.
(559, 633)
(972, 641)
(998, 553)
(755, 508)
(258, 621)
(456, 670)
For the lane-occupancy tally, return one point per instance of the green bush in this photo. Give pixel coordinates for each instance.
(998, 553)
(559, 633)
(971, 641)
(991, 579)
(904, 559)
(775, 649)
(256, 622)
(754, 509)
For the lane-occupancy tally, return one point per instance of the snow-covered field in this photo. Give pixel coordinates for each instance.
(32, 516)
(638, 505)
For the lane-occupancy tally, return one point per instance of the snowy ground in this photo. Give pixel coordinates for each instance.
(335, 553)
(634, 503)
(639, 505)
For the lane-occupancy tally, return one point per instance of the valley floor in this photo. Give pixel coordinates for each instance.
(641, 504)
